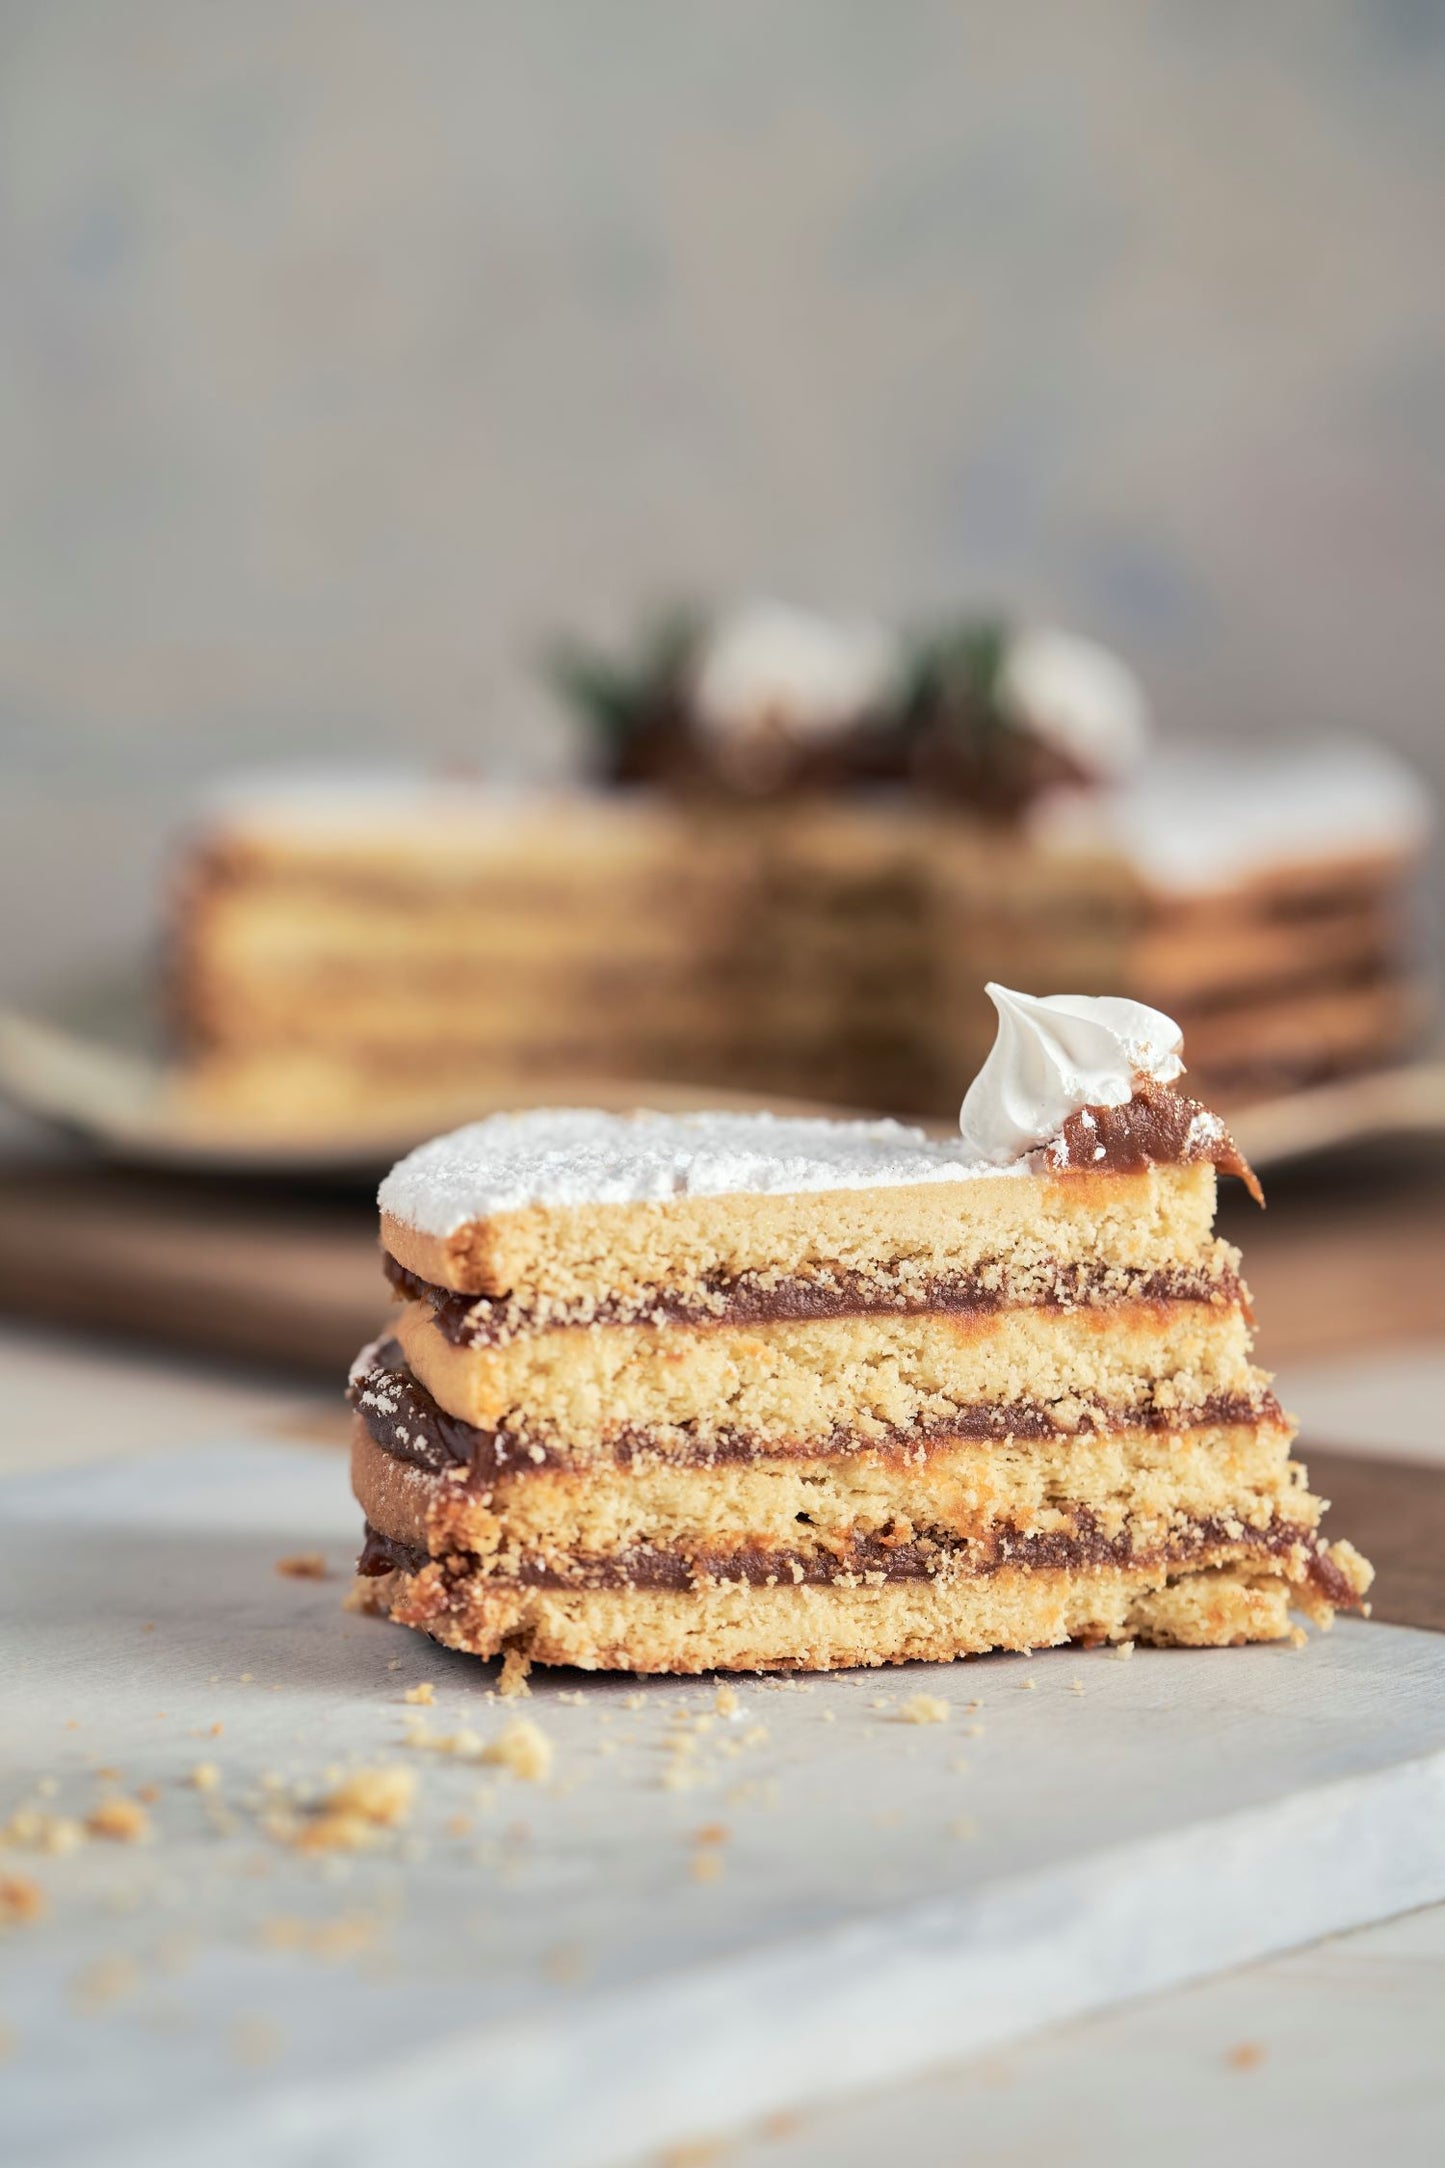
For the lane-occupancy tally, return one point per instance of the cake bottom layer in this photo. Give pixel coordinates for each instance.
(827, 1627)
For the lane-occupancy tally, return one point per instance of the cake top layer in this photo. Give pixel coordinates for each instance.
(560, 1156)
(1203, 817)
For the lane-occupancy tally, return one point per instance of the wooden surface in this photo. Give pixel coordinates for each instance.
(543, 1962)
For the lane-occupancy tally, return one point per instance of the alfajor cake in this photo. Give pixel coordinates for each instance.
(676, 1393)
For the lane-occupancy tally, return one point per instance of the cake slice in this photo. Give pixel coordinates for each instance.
(729, 1391)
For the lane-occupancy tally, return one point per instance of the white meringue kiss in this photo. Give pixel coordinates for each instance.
(1056, 1053)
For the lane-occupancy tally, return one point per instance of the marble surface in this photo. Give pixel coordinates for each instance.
(890, 1894)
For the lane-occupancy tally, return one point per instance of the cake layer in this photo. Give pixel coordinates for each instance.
(880, 1376)
(820, 1628)
(758, 1298)
(404, 1418)
(1139, 1485)
(571, 1207)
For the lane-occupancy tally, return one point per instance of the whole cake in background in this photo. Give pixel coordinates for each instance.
(802, 848)
(732, 1391)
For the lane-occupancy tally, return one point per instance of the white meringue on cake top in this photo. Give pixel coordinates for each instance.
(769, 665)
(1057, 1053)
(1076, 696)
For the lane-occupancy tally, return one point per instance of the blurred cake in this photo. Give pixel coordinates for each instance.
(803, 848)
(677, 1393)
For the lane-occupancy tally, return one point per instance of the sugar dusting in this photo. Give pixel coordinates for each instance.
(576, 1156)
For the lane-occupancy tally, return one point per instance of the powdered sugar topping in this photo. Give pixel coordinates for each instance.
(560, 1156)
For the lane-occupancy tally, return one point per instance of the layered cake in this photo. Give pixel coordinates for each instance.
(803, 849)
(674, 1393)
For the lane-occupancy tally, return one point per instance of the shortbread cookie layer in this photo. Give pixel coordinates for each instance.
(822, 1628)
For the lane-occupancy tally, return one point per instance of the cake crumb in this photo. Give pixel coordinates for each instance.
(32, 1831)
(707, 1867)
(383, 1796)
(634, 1701)
(828, 1716)
(302, 1566)
(1028, 1686)
(1248, 2055)
(1076, 1686)
(691, 2153)
(1298, 1638)
(924, 1709)
(512, 1685)
(424, 1693)
(123, 1821)
(102, 1983)
(255, 2041)
(22, 1900)
(204, 1777)
(726, 1702)
(1122, 1649)
(523, 1748)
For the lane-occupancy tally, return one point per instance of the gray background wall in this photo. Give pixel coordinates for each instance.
(344, 349)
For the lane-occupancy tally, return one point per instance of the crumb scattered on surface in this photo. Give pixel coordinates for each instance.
(707, 1867)
(103, 1982)
(712, 1833)
(463, 1744)
(512, 1685)
(256, 2041)
(1029, 1686)
(302, 1566)
(1248, 2055)
(691, 2153)
(330, 1941)
(634, 1701)
(524, 1748)
(424, 1693)
(204, 1777)
(122, 1820)
(726, 1702)
(22, 1900)
(383, 1796)
(31, 1831)
(829, 1716)
(1122, 1649)
(924, 1709)
(351, 1816)
(1076, 1686)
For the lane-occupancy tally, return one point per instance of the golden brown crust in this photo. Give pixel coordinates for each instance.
(829, 1628)
(1155, 1217)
